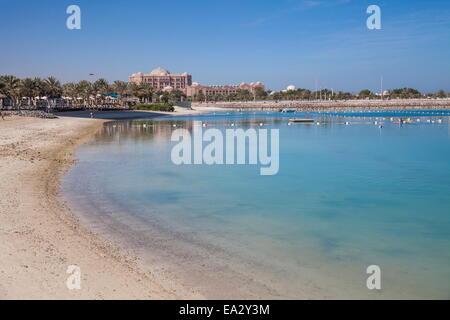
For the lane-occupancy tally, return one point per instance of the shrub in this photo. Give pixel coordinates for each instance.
(167, 107)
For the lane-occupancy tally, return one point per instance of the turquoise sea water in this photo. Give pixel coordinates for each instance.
(348, 194)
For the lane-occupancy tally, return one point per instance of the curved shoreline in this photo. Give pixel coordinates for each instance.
(161, 243)
(40, 236)
(167, 254)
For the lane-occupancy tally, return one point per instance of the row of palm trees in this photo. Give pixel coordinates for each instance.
(29, 90)
(35, 91)
(326, 94)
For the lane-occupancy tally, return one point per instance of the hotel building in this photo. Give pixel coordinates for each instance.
(162, 79)
(196, 88)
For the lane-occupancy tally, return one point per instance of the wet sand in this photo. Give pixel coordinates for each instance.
(39, 235)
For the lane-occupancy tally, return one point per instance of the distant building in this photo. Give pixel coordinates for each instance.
(196, 88)
(290, 88)
(162, 79)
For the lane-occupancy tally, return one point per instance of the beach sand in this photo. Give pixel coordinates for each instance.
(40, 237)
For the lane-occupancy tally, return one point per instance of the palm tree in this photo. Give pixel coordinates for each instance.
(84, 89)
(11, 88)
(53, 89)
(260, 93)
(70, 90)
(244, 95)
(39, 88)
(120, 88)
(28, 89)
(163, 96)
(136, 90)
(177, 95)
(146, 91)
(101, 87)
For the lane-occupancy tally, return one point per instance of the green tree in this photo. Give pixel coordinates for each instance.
(28, 90)
(364, 94)
(200, 96)
(53, 89)
(163, 96)
(142, 91)
(244, 95)
(441, 94)
(260, 93)
(147, 92)
(11, 88)
(120, 88)
(277, 96)
(84, 90)
(39, 87)
(177, 95)
(101, 88)
(70, 90)
(404, 93)
(344, 95)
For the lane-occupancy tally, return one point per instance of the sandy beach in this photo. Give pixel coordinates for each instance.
(40, 237)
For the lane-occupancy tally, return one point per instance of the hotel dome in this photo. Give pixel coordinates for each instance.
(159, 72)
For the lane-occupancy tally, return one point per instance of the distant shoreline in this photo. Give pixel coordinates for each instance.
(413, 104)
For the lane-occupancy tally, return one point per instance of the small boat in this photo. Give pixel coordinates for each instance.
(301, 120)
(287, 111)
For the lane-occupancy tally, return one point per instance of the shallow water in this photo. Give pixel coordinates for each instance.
(348, 194)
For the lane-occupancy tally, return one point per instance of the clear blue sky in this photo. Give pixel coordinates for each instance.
(279, 42)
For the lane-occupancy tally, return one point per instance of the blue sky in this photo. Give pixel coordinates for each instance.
(227, 42)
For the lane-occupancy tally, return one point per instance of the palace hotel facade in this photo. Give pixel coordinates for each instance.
(162, 79)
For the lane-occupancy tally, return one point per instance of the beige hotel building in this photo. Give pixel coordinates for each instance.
(162, 79)
(196, 88)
